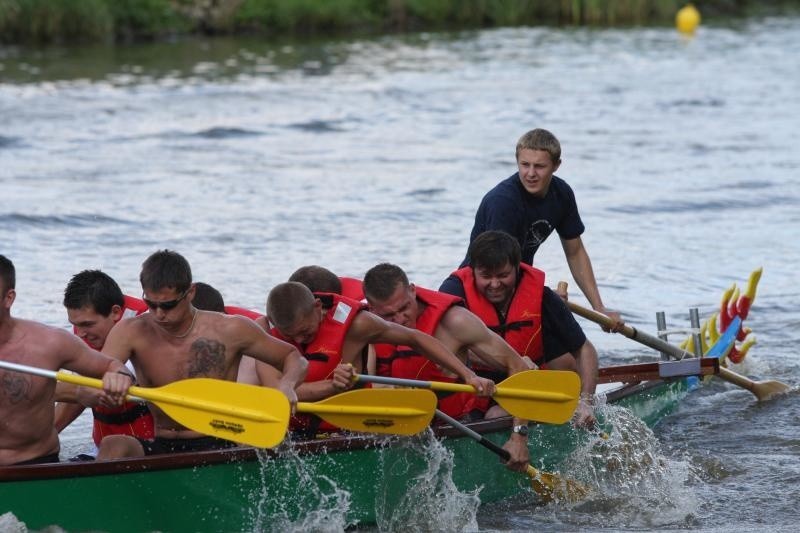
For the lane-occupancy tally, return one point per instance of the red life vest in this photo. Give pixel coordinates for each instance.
(522, 327)
(405, 362)
(233, 310)
(352, 288)
(324, 353)
(130, 418)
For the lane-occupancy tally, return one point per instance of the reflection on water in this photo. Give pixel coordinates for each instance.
(253, 158)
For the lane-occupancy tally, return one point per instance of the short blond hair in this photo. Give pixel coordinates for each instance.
(540, 139)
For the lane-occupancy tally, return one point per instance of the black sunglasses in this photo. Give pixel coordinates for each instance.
(166, 306)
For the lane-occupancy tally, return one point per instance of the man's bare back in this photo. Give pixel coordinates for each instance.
(26, 401)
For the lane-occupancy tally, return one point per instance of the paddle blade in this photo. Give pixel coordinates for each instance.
(247, 414)
(554, 487)
(549, 396)
(391, 411)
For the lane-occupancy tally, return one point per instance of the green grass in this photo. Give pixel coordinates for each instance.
(66, 21)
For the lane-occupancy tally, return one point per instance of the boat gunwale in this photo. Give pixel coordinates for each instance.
(335, 443)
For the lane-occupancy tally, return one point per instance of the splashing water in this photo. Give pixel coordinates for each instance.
(10, 524)
(305, 500)
(431, 501)
(635, 484)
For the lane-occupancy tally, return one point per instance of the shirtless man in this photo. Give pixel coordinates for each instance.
(175, 341)
(94, 304)
(27, 431)
(393, 298)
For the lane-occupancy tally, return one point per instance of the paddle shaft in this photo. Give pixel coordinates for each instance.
(762, 389)
(545, 484)
(540, 395)
(462, 387)
(143, 394)
(480, 439)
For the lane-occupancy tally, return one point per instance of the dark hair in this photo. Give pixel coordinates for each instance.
(317, 279)
(95, 289)
(8, 273)
(540, 139)
(287, 302)
(494, 249)
(207, 298)
(382, 280)
(166, 269)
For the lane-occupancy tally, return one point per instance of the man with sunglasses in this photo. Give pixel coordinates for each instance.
(27, 432)
(176, 341)
(94, 304)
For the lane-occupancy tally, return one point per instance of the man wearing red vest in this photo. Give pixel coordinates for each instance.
(332, 330)
(510, 297)
(94, 304)
(393, 298)
(320, 279)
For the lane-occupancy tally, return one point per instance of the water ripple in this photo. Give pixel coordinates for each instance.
(225, 133)
(6, 142)
(22, 220)
(318, 126)
(707, 205)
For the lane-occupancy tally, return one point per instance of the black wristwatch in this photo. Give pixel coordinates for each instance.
(522, 429)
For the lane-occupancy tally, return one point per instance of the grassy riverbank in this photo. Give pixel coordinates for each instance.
(66, 21)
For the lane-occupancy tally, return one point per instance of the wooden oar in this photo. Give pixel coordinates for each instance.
(259, 416)
(763, 390)
(545, 484)
(540, 395)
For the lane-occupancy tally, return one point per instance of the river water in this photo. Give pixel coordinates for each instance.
(253, 158)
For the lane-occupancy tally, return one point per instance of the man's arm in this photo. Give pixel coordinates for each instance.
(80, 358)
(373, 330)
(586, 358)
(262, 346)
(66, 413)
(581, 268)
(471, 333)
(468, 331)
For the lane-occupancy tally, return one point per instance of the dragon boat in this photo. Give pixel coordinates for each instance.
(251, 489)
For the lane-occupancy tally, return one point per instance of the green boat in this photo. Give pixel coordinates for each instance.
(245, 489)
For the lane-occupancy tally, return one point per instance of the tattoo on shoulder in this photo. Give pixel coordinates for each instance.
(207, 358)
(14, 387)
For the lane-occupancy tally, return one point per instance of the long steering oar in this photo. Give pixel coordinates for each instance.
(259, 416)
(549, 396)
(763, 390)
(545, 484)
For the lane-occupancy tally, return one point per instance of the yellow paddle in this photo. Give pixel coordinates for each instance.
(259, 416)
(545, 484)
(540, 395)
(763, 390)
(376, 410)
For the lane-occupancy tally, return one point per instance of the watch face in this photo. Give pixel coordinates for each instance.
(522, 430)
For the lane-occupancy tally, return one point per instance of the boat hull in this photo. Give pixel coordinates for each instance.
(243, 489)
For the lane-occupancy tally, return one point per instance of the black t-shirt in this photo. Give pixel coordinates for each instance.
(561, 333)
(509, 207)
